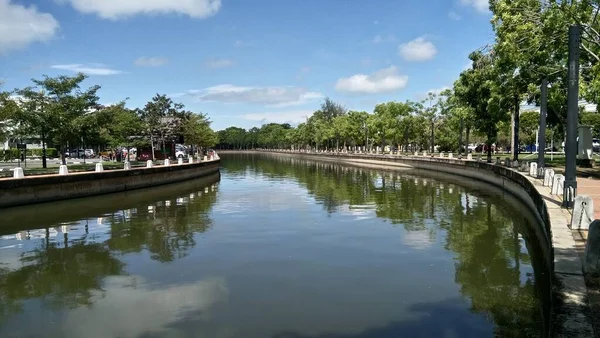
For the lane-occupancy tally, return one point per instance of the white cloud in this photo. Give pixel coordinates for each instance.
(454, 16)
(219, 63)
(21, 26)
(418, 49)
(142, 308)
(89, 69)
(437, 91)
(291, 117)
(482, 6)
(384, 80)
(119, 9)
(154, 61)
(270, 96)
(381, 39)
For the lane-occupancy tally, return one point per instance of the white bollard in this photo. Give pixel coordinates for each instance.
(180, 160)
(99, 167)
(548, 176)
(450, 155)
(167, 162)
(583, 212)
(205, 158)
(149, 164)
(533, 169)
(441, 154)
(190, 159)
(18, 173)
(424, 154)
(470, 157)
(556, 182)
(127, 165)
(63, 170)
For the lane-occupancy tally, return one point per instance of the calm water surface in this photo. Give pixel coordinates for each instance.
(274, 247)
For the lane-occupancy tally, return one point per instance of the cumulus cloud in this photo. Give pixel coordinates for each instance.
(89, 69)
(270, 96)
(154, 61)
(142, 308)
(438, 91)
(482, 6)
(21, 26)
(119, 9)
(291, 117)
(219, 63)
(384, 80)
(418, 49)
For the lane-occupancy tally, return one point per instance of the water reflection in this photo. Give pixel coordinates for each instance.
(68, 264)
(280, 247)
(493, 263)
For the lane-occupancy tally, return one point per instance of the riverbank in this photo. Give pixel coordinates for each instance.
(48, 188)
(569, 309)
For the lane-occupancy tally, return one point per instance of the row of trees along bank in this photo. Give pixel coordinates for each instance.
(57, 112)
(530, 45)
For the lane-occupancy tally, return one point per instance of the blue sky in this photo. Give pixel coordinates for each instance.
(245, 62)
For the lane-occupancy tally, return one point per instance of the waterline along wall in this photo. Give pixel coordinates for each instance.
(567, 301)
(47, 188)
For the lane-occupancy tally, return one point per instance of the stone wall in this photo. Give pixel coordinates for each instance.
(47, 188)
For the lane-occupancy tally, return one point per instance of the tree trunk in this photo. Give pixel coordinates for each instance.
(152, 147)
(516, 129)
(62, 155)
(44, 164)
(467, 139)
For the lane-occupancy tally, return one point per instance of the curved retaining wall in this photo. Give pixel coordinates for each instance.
(568, 305)
(47, 188)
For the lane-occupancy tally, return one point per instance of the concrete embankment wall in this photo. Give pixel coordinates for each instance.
(567, 306)
(47, 188)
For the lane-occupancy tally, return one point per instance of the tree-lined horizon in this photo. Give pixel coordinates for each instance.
(57, 111)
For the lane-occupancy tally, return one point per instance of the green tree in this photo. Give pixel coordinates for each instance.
(119, 126)
(197, 132)
(66, 103)
(476, 88)
(161, 119)
(530, 122)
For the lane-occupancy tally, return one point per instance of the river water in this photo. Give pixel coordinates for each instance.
(276, 247)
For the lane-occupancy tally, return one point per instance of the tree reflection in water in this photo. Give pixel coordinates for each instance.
(484, 233)
(496, 266)
(66, 271)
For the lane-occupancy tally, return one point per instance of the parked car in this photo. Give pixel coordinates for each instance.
(596, 145)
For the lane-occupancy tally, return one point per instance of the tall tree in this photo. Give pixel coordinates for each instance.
(161, 119)
(66, 102)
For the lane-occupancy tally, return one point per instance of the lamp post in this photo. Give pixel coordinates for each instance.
(542, 132)
(570, 185)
